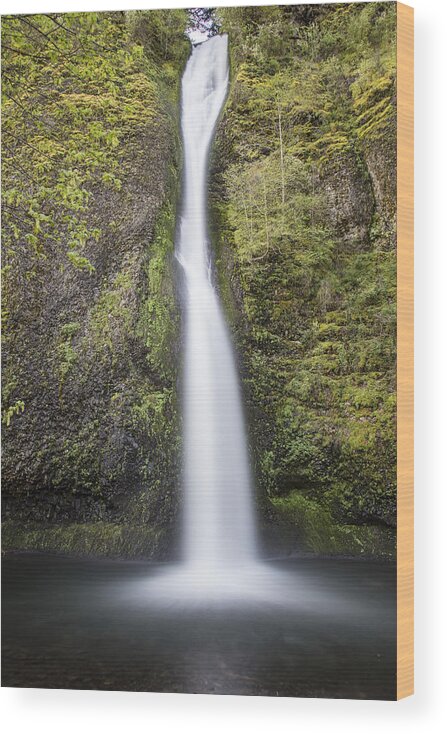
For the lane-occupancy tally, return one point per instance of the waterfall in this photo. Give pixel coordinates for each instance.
(219, 528)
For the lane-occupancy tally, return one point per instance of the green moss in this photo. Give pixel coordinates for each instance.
(12, 410)
(70, 329)
(158, 319)
(80, 262)
(308, 254)
(91, 194)
(85, 108)
(111, 320)
(67, 355)
(318, 532)
(94, 539)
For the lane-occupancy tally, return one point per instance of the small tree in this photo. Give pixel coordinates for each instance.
(204, 20)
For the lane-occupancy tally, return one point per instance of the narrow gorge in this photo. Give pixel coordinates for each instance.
(302, 207)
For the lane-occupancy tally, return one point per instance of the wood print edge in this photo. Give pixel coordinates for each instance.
(405, 353)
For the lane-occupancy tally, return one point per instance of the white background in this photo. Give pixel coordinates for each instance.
(80, 712)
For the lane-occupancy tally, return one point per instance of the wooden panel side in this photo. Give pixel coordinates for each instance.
(405, 352)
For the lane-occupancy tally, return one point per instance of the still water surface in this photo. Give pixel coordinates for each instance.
(309, 627)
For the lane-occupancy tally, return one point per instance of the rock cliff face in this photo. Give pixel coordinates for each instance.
(303, 218)
(91, 438)
(304, 201)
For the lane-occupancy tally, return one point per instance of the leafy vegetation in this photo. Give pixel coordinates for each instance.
(304, 196)
(303, 192)
(90, 182)
(16, 409)
(75, 88)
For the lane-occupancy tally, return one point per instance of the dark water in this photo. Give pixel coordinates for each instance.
(327, 628)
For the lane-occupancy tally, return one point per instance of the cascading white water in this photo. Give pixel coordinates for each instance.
(219, 526)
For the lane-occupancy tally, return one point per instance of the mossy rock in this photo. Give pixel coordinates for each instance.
(93, 539)
(317, 531)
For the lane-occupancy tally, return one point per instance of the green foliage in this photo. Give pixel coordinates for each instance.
(266, 222)
(80, 262)
(331, 80)
(16, 409)
(75, 90)
(161, 33)
(90, 182)
(312, 99)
